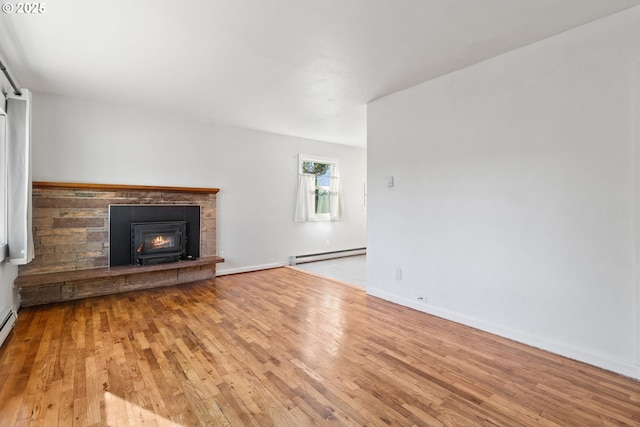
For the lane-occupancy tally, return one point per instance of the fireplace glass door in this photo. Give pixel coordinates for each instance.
(158, 242)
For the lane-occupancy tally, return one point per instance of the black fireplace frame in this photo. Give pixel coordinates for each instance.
(121, 216)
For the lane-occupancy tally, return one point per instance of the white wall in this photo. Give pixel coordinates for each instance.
(9, 297)
(515, 205)
(81, 141)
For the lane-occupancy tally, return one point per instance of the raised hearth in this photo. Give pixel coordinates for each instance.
(36, 289)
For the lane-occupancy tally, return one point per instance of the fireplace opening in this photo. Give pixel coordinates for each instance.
(158, 242)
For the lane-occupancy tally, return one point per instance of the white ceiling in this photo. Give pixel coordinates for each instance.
(295, 67)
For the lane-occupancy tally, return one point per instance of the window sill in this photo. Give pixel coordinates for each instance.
(319, 219)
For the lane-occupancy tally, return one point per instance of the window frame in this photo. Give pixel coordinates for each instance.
(304, 158)
(3, 179)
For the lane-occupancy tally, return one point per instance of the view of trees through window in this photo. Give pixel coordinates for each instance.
(323, 172)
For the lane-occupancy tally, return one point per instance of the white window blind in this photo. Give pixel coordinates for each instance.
(3, 178)
(19, 235)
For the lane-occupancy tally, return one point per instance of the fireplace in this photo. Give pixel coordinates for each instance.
(158, 242)
(153, 234)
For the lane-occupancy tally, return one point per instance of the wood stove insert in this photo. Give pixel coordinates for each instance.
(158, 242)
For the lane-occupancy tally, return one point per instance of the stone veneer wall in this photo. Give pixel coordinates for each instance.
(71, 225)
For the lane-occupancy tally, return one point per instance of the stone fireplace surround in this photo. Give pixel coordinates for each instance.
(71, 240)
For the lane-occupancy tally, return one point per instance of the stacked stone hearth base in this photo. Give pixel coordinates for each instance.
(70, 225)
(44, 288)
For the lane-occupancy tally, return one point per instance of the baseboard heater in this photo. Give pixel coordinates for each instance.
(7, 323)
(300, 259)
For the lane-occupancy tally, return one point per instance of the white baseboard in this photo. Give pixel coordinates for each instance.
(562, 349)
(248, 269)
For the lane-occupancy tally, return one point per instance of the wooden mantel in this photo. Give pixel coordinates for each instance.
(121, 187)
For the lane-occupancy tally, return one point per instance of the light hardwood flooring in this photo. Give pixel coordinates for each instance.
(283, 348)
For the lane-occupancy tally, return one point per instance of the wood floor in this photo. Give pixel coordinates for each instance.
(282, 348)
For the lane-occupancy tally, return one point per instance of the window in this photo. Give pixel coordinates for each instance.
(319, 190)
(322, 172)
(3, 179)
(18, 178)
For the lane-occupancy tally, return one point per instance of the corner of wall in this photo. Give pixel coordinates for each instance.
(636, 135)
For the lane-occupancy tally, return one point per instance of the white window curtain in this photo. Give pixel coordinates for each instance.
(306, 200)
(20, 234)
(336, 205)
(305, 203)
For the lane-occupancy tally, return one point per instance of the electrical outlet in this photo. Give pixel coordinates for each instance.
(398, 274)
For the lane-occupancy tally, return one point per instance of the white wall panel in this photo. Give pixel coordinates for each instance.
(515, 202)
